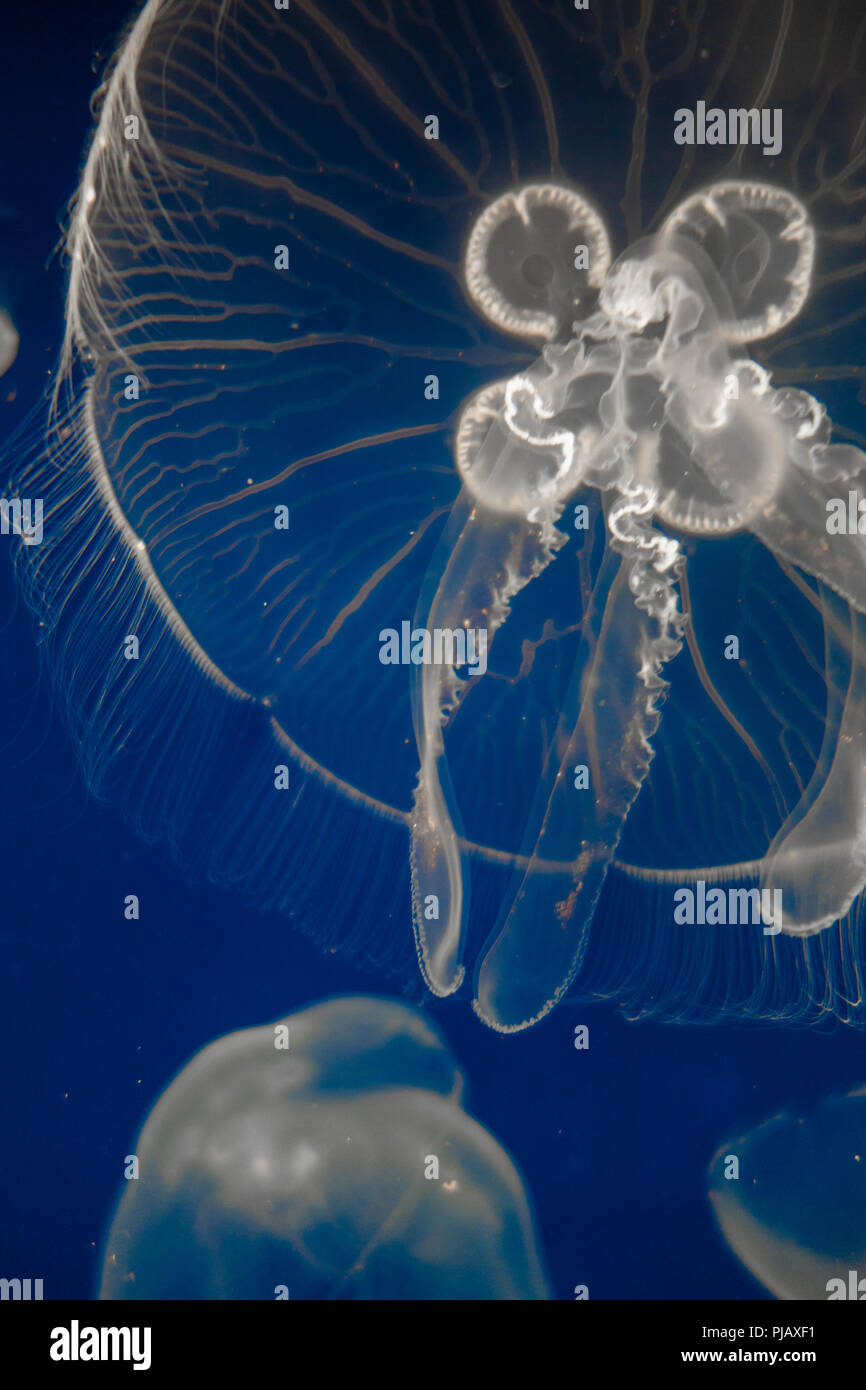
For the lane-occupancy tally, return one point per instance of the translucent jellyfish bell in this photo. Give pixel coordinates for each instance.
(790, 1199)
(437, 515)
(325, 1156)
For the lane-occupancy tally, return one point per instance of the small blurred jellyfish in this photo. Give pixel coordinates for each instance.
(8, 342)
(438, 479)
(323, 1157)
(790, 1198)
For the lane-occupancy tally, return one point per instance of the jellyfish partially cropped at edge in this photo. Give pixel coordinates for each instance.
(428, 424)
(324, 1156)
(8, 342)
(790, 1200)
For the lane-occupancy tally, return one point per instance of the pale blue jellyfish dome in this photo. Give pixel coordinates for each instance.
(429, 420)
(325, 1156)
(8, 341)
(790, 1200)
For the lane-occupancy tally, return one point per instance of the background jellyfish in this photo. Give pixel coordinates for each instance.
(250, 467)
(8, 342)
(326, 1156)
(796, 1213)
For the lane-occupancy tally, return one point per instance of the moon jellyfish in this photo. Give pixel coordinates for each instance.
(327, 1156)
(449, 476)
(790, 1199)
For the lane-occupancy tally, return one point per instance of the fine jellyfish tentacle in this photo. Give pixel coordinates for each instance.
(614, 703)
